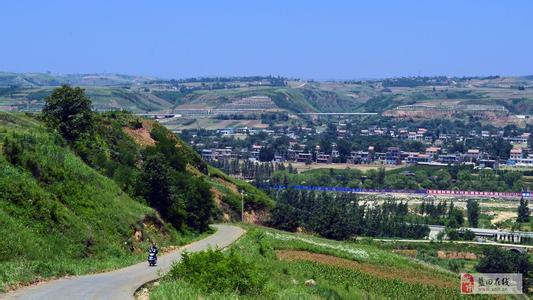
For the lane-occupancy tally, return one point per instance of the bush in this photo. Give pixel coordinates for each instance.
(498, 260)
(212, 271)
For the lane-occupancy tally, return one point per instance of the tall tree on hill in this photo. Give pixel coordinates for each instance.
(157, 185)
(199, 204)
(472, 210)
(523, 211)
(68, 110)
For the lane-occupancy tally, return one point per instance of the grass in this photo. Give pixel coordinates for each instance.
(341, 270)
(254, 197)
(60, 217)
(428, 252)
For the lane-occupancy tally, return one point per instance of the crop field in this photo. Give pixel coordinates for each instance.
(210, 124)
(338, 270)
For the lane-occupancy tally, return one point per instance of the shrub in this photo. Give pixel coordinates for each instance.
(498, 260)
(213, 271)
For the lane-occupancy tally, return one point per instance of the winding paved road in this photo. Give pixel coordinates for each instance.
(122, 283)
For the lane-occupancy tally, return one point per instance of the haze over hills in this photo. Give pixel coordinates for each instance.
(492, 97)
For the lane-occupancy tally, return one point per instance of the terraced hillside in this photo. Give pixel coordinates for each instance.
(514, 95)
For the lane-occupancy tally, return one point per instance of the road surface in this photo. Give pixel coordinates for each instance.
(120, 284)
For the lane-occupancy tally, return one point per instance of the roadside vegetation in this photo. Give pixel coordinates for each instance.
(281, 265)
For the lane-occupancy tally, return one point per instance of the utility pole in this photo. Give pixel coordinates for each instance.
(242, 206)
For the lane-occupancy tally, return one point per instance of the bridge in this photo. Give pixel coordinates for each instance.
(505, 236)
(338, 114)
(158, 116)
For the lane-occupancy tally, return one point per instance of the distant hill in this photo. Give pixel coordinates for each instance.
(48, 79)
(26, 91)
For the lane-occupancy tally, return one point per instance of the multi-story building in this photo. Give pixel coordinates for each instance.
(516, 154)
(304, 157)
(323, 158)
(393, 155)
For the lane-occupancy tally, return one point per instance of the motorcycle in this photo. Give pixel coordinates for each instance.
(152, 259)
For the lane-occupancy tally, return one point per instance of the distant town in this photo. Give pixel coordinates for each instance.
(435, 149)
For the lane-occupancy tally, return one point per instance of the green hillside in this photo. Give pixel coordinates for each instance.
(72, 208)
(58, 216)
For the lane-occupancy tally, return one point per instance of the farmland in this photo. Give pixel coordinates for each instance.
(338, 270)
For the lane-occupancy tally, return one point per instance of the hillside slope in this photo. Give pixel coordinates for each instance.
(226, 190)
(71, 212)
(58, 216)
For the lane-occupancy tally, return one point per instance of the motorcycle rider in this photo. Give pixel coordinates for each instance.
(153, 249)
(152, 255)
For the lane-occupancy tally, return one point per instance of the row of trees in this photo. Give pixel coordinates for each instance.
(440, 214)
(415, 178)
(259, 172)
(340, 216)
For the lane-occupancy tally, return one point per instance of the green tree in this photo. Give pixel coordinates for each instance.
(380, 176)
(472, 211)
(285, 217)
(455, 216)
(199, 204)
(523, 211)
(512, 179)
(500, 260)
(68, 110)
(266, 154)
(468, 235)
(157, 187)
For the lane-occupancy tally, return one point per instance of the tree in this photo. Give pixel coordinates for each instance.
(452, 234)
(468, 235)
(285, 217)
(499, 260)
(266, 154)
(199, 204)
(523, 211)
(157, 187)
(380, 176)
(68, 110)
(455, 216)
(472, 211)
(331, 222)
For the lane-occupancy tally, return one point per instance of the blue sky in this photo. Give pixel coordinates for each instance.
(305, 39)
